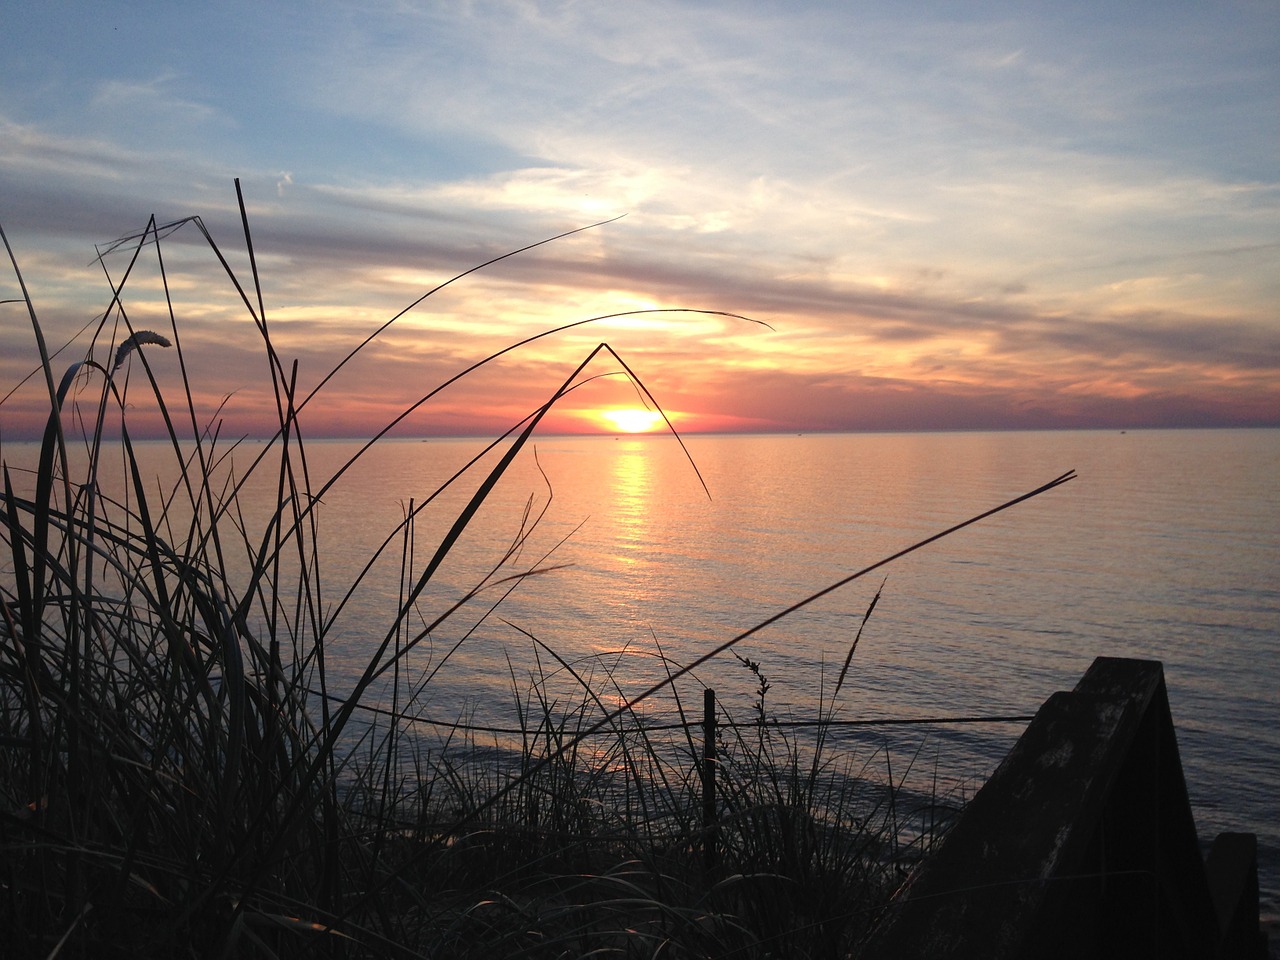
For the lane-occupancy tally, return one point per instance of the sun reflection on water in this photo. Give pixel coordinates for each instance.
(632, 490)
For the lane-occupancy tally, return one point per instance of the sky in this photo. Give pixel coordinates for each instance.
(945, 215)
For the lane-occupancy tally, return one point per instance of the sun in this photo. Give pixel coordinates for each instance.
(632, 419)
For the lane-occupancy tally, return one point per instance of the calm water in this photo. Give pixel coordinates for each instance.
(1166, 547)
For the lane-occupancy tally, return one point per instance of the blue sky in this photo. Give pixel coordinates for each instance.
(953, 215)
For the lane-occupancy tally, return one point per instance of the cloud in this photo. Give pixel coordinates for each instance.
(947, 206)
(140, 105)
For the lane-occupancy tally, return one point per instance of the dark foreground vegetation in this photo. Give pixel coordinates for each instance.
(182, 773)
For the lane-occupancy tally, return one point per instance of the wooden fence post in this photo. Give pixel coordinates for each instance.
(1082, 844)
(709, 817)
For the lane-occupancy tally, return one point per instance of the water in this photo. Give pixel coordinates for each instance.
(1166, 547)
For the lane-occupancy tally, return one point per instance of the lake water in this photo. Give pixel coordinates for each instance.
(1166, 546)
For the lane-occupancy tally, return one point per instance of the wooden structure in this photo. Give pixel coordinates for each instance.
(1081, 845)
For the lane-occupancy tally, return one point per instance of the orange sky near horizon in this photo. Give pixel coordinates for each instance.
(710, 373)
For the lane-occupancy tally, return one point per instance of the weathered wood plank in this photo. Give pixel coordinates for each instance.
(1082, 844)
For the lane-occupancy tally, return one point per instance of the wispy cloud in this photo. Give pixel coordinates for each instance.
(952, 216)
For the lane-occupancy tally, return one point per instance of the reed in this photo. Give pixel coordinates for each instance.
(183, 773)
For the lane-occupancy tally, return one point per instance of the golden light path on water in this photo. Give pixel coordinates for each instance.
(632, 475)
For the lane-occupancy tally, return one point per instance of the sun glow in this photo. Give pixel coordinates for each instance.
(632, 419)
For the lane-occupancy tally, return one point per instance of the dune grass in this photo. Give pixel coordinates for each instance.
(183, 773)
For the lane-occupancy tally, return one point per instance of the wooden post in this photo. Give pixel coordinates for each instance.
(709, 817)
(1082, 844)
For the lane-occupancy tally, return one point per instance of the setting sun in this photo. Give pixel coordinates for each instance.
(632, 419)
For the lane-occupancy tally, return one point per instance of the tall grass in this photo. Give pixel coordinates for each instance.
(183, 773)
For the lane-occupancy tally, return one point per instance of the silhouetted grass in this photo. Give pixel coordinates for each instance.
(182, 773)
